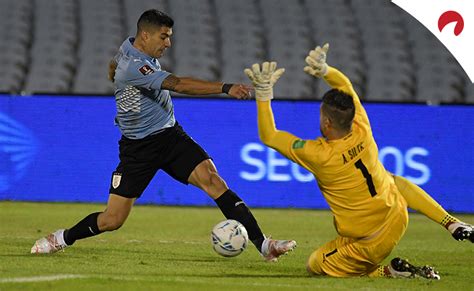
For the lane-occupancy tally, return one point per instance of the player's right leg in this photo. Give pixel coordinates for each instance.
(190, 164)
(117, 211)
(206, 177)
(422, 202)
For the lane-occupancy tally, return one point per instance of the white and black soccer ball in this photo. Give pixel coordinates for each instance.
(229, 238)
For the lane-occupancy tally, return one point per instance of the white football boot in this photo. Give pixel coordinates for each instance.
(401, 268)
(272, 248)
(50, 244)
(462, 231)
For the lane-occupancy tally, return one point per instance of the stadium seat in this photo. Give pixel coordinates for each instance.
(241, 37)
(15, 27)
(288, 42)
(53, 46)
(386, 51)
(194, 25)
(217, 39)
(101, 33)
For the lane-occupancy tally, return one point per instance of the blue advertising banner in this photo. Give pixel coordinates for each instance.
(64, 148)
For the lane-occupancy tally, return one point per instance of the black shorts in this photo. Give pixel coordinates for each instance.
(171, 150)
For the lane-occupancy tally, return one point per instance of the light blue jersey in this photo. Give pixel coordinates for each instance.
(142, 106)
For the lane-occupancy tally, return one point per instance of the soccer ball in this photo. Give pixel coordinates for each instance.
(229, 238)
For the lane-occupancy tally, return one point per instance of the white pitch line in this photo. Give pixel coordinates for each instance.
(41, 278)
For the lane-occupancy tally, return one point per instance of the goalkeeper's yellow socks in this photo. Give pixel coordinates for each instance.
(380, 272)
(420, 201)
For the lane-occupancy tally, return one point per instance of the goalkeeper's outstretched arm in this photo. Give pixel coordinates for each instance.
(279, 140)
(263, 82)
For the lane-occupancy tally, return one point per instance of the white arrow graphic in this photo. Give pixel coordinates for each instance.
(452, 22)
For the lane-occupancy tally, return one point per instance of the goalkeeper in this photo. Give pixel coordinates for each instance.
(368, 203)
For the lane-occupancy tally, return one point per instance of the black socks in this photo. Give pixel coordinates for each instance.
(234, 208)
(230, 204)
(85, 228)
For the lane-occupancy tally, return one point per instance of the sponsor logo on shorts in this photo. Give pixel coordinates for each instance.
(116, 180)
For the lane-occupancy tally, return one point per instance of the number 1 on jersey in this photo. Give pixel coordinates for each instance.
(368, 177)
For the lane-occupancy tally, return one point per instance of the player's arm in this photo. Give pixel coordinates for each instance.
(318, 68)
(191, 86)
(113, 66)
(279, 140)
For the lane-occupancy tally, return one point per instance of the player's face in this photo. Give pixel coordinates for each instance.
(158, 41)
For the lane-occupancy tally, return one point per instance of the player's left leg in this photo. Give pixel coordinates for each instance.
(206, 177)
(422, 202)
(112, 218)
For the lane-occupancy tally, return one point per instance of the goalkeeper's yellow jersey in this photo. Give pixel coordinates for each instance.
(358, 189)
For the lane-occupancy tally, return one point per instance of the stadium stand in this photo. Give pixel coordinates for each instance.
(52, 54)
(15, 37)
(288, 40)
(101, 33)
(389, 70)
(195, 40)
(470, 93)
(242, 37)
(334, 22)
(64, 46)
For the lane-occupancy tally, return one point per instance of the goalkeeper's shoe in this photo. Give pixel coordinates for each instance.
(50, 244)
(272, 248)
(401, 268)
(462, 231)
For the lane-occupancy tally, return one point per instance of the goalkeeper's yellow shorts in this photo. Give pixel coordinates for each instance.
(348, 257)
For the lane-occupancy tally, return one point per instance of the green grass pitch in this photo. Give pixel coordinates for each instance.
(168, 248)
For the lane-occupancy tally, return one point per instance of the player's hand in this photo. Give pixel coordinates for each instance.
(240, 91)
(263, 80)
(316, 61)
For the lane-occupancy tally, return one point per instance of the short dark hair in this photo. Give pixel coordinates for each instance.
(154, 18)
(339, 107)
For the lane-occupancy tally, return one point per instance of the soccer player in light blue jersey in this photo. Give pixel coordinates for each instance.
(152, 140)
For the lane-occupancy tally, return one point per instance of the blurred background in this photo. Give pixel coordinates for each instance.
(64, 46)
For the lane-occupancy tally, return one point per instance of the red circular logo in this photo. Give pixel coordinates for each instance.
(448, 17)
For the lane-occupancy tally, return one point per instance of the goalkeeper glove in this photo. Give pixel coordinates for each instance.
(316, 61)
(264, 80)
